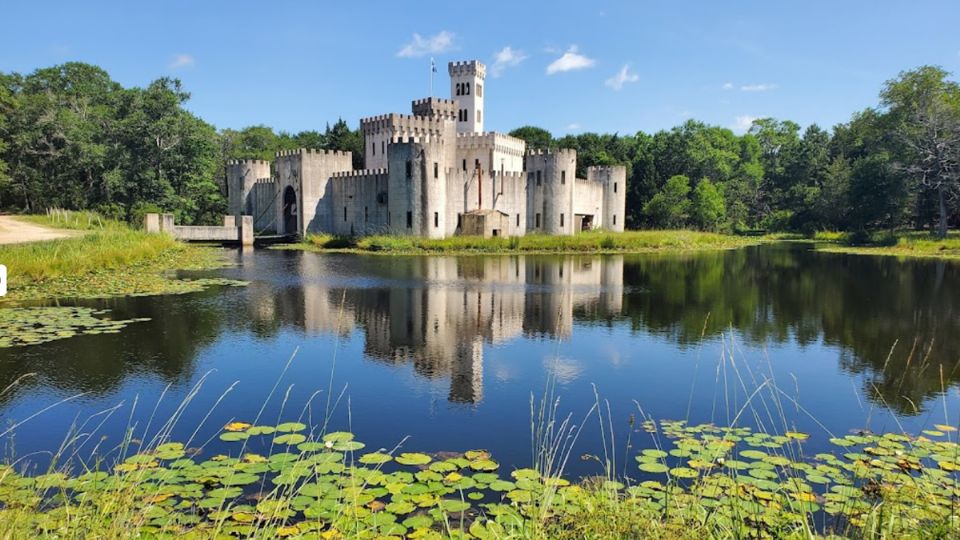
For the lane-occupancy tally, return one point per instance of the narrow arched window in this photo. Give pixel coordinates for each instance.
(467, 89)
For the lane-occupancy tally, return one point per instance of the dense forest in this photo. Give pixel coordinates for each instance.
(73, 138)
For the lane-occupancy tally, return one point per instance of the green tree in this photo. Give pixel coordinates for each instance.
(881, 194)
(669, 208)
(708, 210)
(924, 108)
(535, 137)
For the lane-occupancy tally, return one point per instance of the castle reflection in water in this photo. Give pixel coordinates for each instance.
(437, 312)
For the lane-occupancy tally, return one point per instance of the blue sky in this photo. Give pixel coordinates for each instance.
(566, 66)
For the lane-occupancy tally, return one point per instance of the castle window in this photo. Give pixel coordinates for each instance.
(457, 86)
(518, 220)
(373, 148)
(409, 169)
(614, 187)
(344, 213)
(436, 219)
(479, 90)
(466, 115)
(383, 147)
(538, 220)
(614, 219)
(479, 116)
(366, 214)
(561, 220)
(436, 170)
(467, 88)
(563, 177)
(459, 220)
(539, 181)
(409, 220)
(464, 164)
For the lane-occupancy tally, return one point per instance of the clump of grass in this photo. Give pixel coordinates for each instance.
(586, 242)
(80, 220)
(111, 259)
(903, 244)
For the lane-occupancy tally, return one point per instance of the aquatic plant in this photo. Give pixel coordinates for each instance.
(714, 481)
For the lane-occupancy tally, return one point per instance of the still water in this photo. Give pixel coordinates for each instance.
(444, 353)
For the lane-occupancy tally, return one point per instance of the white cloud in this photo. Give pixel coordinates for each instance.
(182, 61)
(742, 123)
(762, 87)
(573, 127)
(622, 77)
(728, 86)
(507, 57)
(421, 46)
(570, 61)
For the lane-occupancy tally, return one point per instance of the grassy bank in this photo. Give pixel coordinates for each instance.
(108, 259)
(587, 242)
(902, 244)
(698, 481)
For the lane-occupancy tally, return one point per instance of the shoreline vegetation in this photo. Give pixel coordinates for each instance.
(585, 242)
(109, 259)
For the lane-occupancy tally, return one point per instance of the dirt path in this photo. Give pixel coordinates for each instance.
(15, 231)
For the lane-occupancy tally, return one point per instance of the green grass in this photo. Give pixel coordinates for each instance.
(587, 242)
(110, 259)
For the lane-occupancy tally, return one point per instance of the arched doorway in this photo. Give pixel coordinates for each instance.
(290, 211)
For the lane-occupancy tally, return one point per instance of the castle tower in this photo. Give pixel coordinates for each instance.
(550, 179)
(241, 176)
(417, 188)
(466, 88)
(614, 182)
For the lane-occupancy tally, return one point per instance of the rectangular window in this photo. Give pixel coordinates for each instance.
(409, 220)
(538, 220)
(436, 219)
(563, 177)
(383, 147)
(479, 115)
(539, 180)
(344, 213)
(409, 169)
(561, 220)
(518, 215)
(466, 115)
(464, 164)
(373, 148)
(366, 214)
(479, 90)
(614, 187)
(436, 170)
(614, 219)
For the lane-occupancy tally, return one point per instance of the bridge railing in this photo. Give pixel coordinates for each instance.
(230, 231)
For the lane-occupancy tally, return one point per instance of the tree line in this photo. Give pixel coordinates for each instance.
(72, 137)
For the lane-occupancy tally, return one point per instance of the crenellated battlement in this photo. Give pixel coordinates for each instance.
(312, 152)
(562, 152)
(435, 107)
(467, 67)
(248, 162)
(509, 175)
(360, 173)
(402, 122)
(267, 180)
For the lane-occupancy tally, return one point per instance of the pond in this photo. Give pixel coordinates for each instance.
(446, 353)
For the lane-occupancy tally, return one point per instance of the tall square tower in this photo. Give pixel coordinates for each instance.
(466, 88)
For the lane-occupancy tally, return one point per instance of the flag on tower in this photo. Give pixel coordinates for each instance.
(433, 66)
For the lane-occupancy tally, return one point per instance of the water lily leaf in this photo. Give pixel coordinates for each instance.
(654, 468)
(232, 436)
(290, 438)
(944, 427)
(291, 427)
(261, 430)
(338, 436)
(375, 458)
(683, 472)
(413, 458)
(484, 465)
(240, 479)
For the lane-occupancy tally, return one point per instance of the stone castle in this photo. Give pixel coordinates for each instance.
(434, 173)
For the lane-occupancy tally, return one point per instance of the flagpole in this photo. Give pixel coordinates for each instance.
(432, 69)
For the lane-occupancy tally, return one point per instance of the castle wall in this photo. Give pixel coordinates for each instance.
(359, 202)
(263, 198)
(241, 176)
(417, 186)
(308, 172)
(587, 200)
(494, 152)
(379, 131)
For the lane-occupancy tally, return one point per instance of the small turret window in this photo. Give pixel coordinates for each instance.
(383, 147)
(561, 220)
(464, 164)
(409, 169)
(539, 181)
(614, 187)
(467, 89)
(479, 90)
(373, 148)
(436, 170)
(563, 179)
(436, 219)
(409, 220)
(614, 219)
